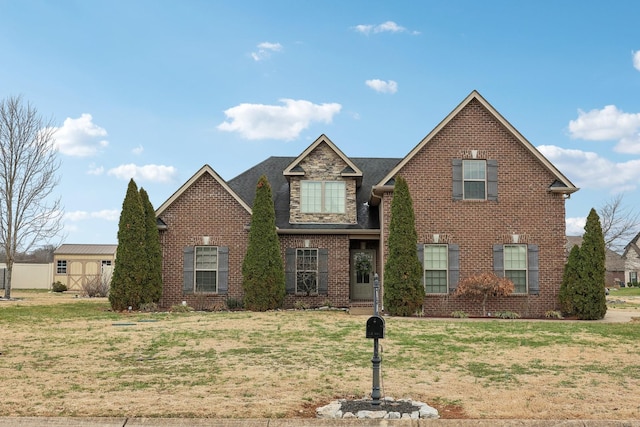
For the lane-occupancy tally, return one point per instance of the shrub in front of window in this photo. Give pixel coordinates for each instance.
(263, 270)
(403, 289)
(482, 286)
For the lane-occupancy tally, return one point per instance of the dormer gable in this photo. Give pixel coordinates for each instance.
(350, 170)
(323, 183)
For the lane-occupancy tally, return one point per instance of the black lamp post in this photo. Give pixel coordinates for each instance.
(375, 391)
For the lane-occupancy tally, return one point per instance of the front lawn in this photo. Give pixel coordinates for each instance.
(76, 358)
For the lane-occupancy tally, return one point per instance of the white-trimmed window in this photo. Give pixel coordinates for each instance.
(61, 266)
(307, 271)
(322, 196)
(436, 267)
(515, 266)
(206, 269)
(474, 176)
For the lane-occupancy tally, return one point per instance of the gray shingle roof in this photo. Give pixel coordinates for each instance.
(373, 169)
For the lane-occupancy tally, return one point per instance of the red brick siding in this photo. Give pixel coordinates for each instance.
(203, 209)
(338, 248)
(524, 207)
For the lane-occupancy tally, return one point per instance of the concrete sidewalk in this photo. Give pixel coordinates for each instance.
(199, 422)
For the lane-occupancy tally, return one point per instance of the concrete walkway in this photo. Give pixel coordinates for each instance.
(184, 422)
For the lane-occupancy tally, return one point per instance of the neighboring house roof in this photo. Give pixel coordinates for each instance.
(613, 260)
(371, 170)
(561, 185)
(206, 169)
(632, 245)
(78, 249)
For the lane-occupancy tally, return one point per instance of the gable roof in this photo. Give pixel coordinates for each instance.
(632, 245)
(206, 169)
(561, 185)
(294, 167)
(81, 249)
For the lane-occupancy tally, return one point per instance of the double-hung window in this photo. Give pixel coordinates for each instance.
(307, 271)
(436, 266)
(322, 196)
(474, 173)
(206, 269)
(515, 266)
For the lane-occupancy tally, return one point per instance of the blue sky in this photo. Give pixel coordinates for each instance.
(156, 89)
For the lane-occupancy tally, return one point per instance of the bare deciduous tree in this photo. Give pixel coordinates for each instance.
(29, 213)
(620, 223)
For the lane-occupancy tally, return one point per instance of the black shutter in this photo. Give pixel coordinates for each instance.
(187, 270)
(456, 165)
(498, 260)
(290, 270)
(323, 272)
(420, 249)
(223, 269)
(454, 267)
(492, 180)
(532, 260)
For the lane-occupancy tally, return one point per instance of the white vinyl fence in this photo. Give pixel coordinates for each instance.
(28, 276)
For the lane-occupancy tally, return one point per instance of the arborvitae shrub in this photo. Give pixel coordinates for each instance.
(263, 270)
(131, 267)
(403, 289)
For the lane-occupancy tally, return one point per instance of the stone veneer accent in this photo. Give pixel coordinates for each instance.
(323, 164)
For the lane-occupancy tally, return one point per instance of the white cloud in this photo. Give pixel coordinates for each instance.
(608, 124)
(636, 60)
(106, 214)
(381, 86)
(80, 137)
(258, 121)
(588, 170)
(385, 27)
(150, 173)
(575, 226)
(265, 49)
(138, 150)
(95, 170)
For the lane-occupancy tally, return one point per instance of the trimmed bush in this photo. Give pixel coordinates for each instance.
(58, 287)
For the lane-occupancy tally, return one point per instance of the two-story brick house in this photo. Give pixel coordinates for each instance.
(484, 199)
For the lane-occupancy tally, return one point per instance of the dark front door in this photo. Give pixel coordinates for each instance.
(362, 267)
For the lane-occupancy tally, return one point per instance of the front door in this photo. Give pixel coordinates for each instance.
(362, 268)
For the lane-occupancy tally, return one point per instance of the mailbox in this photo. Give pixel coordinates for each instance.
(375, 327)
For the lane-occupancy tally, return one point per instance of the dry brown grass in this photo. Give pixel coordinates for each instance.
(285, 364)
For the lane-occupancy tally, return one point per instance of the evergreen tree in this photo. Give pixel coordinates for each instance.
(263, 269)
(570, 281)
(403, 289)
(152, 288)
(131, 266)
(590, 301)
